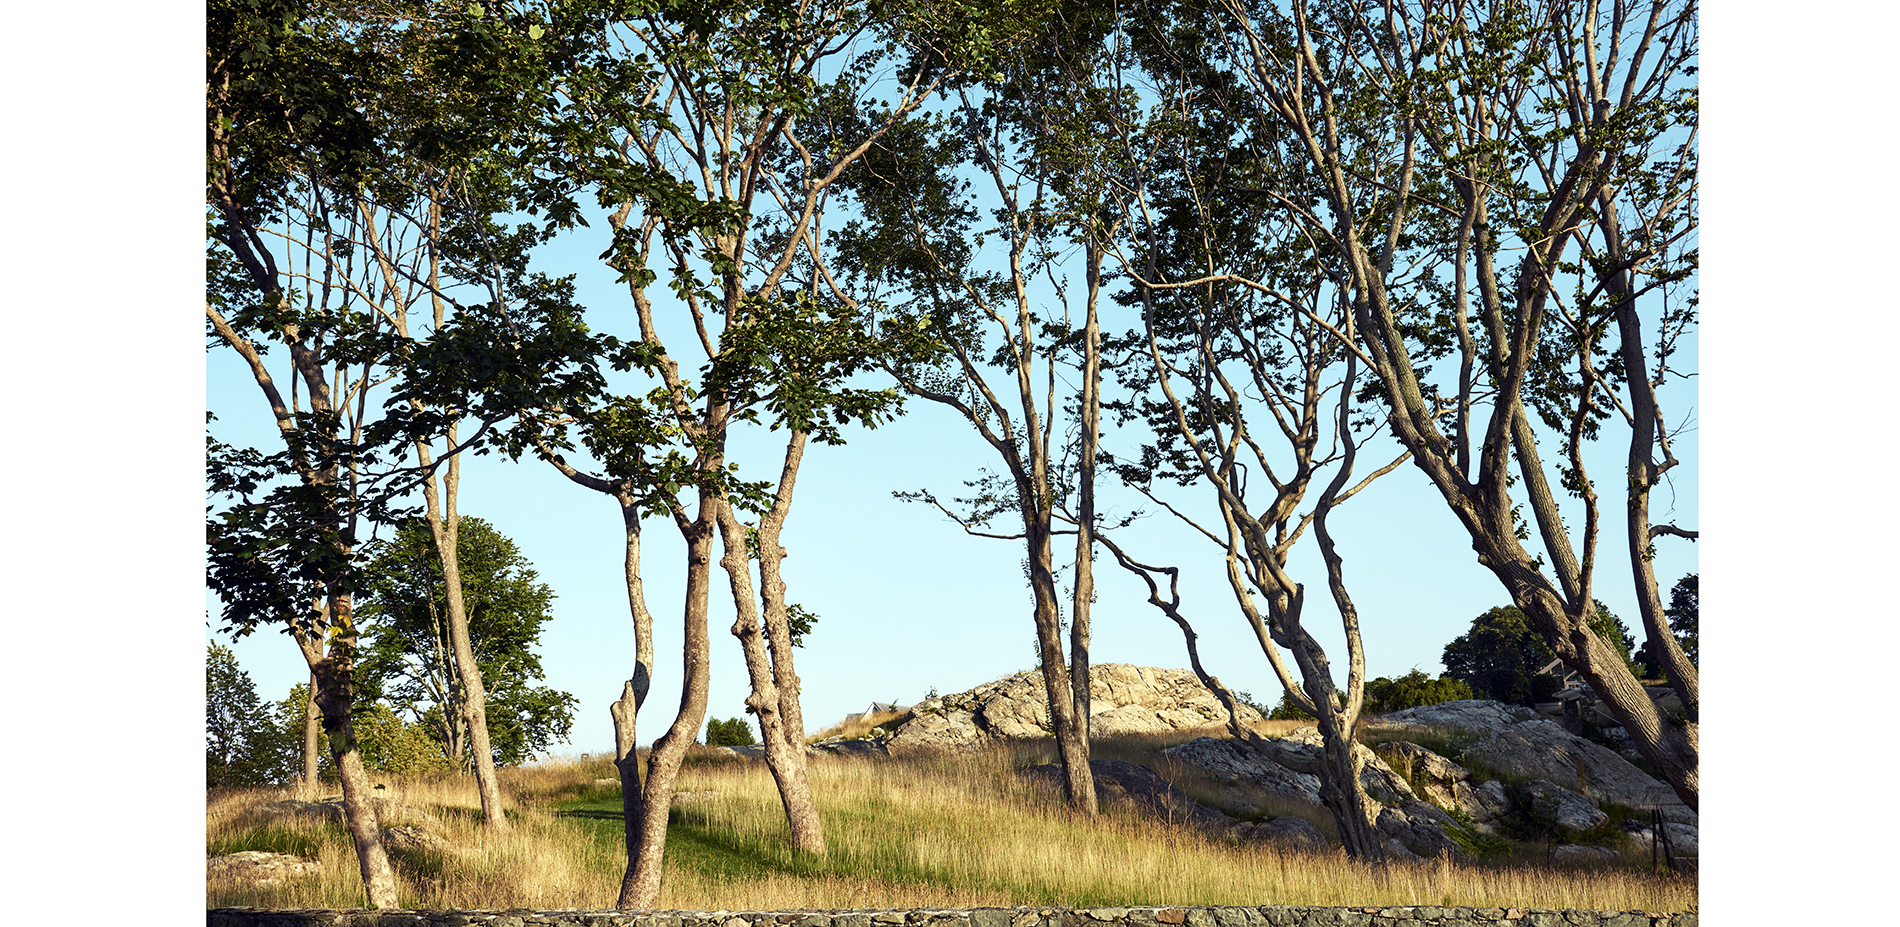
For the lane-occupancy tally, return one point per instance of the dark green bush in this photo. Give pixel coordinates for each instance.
(734, 732)
(1412, 690)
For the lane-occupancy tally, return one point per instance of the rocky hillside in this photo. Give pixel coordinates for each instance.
(1491, 774)
(1124, 699)
(1511, 774)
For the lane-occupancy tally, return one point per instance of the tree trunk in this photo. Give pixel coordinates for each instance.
(445, 525)
(312, 738)
(768, 655)
(1484, 508)
(1338, 769)
(627, 761)
(335, 695)
(784, 751)
(1644, 472)
(1085, 504)
(1078, 781)
(1344, 794)
(633, 693)
(640, 887)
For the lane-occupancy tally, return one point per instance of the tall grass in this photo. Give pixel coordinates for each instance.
(953, 831)
(859, 727)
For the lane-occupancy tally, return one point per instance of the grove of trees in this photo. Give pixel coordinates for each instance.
(1261, 236)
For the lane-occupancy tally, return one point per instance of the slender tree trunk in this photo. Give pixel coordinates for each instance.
(768, 654)
(640, 887)
(1342, 791)
(784, 753)
(1485, 508)
(1338, 769)
(633, 693)
(1078, 781)
(1085, 505)
(335, 697)
(312, 738)
(1644, 472)
(445, 524)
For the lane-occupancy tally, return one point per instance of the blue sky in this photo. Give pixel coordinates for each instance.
(106, 469)
(107, 384)
(908, 602)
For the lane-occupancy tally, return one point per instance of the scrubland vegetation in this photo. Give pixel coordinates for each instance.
(956, 831)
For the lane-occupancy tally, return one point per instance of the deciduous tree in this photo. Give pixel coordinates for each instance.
(409, 660)
(244, 745)
(338, 194)
(1508, 197)
(696, 131)
(1684, 600)
(969, 222)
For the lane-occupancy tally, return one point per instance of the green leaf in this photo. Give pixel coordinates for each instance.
(535, 31)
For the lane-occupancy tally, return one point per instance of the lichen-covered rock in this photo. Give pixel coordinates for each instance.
(1228, 758)
(388, 810)
(1138, 788)
(1475, 715)
(1515, 741)
(1566, 809)
(411, 837)
(858, 748)
(258, 867)
(1421, 828)
(1445, 783)
(1571, 852)
(1293, 831)
(1381, 783)
(1124, 699)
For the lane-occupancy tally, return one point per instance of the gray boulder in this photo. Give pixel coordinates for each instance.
(1286, 831)
(1397, 852)
(1236, 761)
(257, 867)
(1381, 783)
(1514, 741)
(1684, 839)
(1421, 828)
(1485, 802)
(1138, 788)
(388, 810)
(858, 748)
(1565, 808)
(411, 837)
(1475, 715)
(1240, 763)
(1571, 852)
(1124, 699)
(1445, 783)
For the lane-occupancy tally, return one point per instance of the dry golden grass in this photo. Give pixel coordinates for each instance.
(951, 831)
(858, 728)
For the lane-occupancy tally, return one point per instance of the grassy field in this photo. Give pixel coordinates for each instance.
(949, 831)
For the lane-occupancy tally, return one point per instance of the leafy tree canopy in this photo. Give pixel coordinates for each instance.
(1682, 615)
(1413, 690)
(409, 662)
(1500, 656)
(243, 744)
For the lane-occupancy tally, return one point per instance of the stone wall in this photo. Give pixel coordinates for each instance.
(1265, 916)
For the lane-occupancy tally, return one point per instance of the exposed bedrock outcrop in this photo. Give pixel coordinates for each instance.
(1124, 699)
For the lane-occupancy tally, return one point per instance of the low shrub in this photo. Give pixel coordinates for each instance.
(734, 732)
